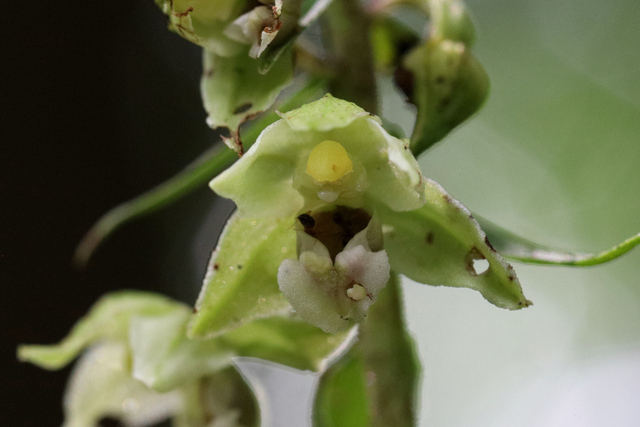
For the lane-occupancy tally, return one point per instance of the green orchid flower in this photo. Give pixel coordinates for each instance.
(140, 367)
(359, 206)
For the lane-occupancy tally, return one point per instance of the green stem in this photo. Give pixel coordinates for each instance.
(349, 27)
(520, 249)
(198, 173)
(390, 361)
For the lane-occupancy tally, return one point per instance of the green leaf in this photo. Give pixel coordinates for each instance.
(439, 244)
(521, 249)
(287, 341)
(449, 86)
(241, 282)
(164, 358)
(108, 319)
(234, 90)
(374, 383)
(341, 398)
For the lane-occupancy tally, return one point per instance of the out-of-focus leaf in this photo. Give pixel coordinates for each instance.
(287, 341)
(311, 10)
(520, 249)
(241, 281)
(341, 398)
(375, 382)
(439, 245)
(108, 319)
(450, 20)
(101, 385)
(164, 358)
(447, 85)
(234, 90)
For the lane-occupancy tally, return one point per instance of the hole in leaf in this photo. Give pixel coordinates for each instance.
(480, 266)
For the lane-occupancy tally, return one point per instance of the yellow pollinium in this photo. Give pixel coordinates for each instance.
(328, 162)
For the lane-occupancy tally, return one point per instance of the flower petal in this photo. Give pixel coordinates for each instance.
(440, 243)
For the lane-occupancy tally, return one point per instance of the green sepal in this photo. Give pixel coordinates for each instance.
(164, 358)
(204, 22)
(241, 281)
(448, 86)
(438, 244)
(108, 319)
(234, 90)
(520, 249)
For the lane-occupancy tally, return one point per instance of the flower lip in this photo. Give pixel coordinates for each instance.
(334, 228)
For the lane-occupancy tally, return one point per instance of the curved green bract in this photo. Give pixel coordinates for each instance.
(108, 319)
(523, 250)
(341, 397)
(241, 281)
(439, 245)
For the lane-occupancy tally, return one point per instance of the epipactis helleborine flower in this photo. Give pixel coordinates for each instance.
(355, 192)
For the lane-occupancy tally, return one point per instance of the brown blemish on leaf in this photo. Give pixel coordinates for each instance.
(429, 238)
(488, 243)
(441, 80)
(216, 266)
(444, 103)
(183, 14)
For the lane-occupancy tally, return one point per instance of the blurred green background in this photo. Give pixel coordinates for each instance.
(552, 156)
(100, 103)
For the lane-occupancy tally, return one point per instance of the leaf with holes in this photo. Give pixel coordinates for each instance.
(241, 281)
(439, 245)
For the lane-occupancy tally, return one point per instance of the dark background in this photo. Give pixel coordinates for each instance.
(99, 103)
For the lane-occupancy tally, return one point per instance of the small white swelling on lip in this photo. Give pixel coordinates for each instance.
(332, 294)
